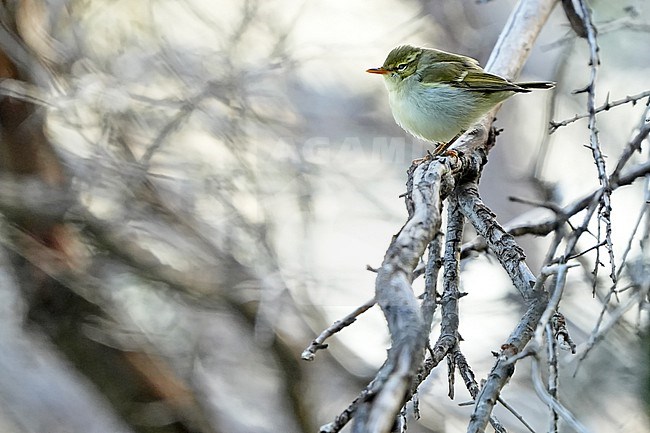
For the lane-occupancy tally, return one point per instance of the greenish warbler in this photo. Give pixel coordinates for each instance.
(437, 96)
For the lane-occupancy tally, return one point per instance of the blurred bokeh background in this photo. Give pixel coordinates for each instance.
(191, 191)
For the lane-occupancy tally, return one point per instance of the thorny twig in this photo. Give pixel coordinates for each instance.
(554, 125)
(633, 145)
(544, 226)
(604, 208)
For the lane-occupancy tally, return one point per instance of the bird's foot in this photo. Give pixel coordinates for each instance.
(428, 157)
(439, 152)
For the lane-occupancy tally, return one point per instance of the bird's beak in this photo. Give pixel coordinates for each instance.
(379, 70)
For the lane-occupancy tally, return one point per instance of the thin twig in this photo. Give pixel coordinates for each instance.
(633, 145)
(597, 334)
(344, 417)
(605, 208)
(451, 276)
(448, 338)
(568, 417)
(472, 386)
(515, 414)
(612, 291)
(583, 252)
(431, 271)
(451, 282)
(318, 343)
(605, 107)
(553, 303)
(551, 354)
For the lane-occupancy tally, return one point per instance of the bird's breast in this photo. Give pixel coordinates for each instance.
(434, 113)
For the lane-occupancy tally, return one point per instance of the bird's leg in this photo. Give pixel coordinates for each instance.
(440, 150)
(442, 147)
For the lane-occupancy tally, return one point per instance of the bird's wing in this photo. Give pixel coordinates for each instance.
(481, 81)
(443, 73)
(464, 72)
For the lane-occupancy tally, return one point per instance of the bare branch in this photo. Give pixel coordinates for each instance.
(470, 383)
(319, 342)
(511, 258)
(554, 126)
(551, 354)
(598, 333)
(448, 338)
(509, 254)
(633, 145)
(545, 225)
(605, 208)
(552, 402)
(431, 270)
(395, 296)
(503, 368)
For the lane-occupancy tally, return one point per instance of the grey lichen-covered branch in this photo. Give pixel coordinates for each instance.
(508, 252)
(431, 183)
(512, 259)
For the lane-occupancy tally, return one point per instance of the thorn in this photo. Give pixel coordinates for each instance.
(585, 89)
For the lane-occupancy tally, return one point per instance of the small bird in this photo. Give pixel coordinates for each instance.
(436, 95)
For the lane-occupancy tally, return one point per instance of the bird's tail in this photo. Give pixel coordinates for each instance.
(537, 85)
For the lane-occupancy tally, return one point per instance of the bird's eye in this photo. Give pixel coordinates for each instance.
(402, 66)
